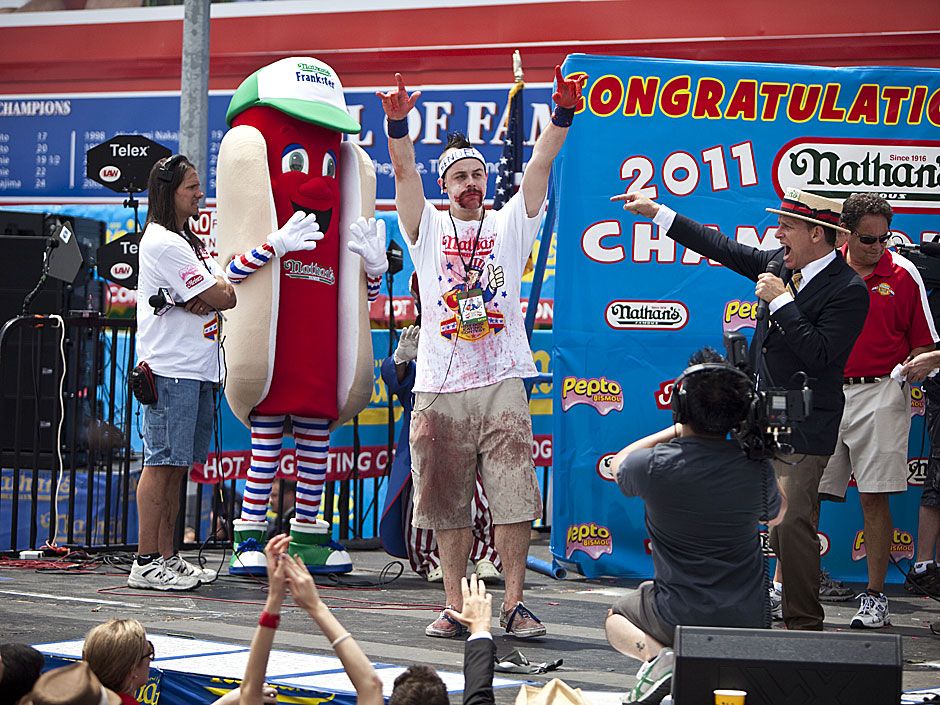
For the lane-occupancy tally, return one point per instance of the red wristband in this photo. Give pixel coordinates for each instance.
(271, 621)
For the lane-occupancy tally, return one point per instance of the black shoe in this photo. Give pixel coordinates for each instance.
(926, 583)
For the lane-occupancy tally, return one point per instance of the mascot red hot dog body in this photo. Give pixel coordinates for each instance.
(298, 346)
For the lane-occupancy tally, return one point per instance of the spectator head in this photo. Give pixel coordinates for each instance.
(419, 685)
(119, 654)
(711, 400)
(22, 666)
(71, 685)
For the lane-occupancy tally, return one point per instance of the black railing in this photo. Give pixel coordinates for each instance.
(68, 464)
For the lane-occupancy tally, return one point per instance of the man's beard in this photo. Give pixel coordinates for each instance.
(470, 199)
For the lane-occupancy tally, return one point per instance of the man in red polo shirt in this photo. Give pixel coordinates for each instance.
(877, 419)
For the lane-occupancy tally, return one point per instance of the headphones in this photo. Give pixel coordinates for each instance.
(165, 170)
(680, 400)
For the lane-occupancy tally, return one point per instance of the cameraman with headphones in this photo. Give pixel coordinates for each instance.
(705, 499)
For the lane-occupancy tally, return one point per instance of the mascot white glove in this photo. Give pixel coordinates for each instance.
(407, 349)
(368, 241)
(300, 232)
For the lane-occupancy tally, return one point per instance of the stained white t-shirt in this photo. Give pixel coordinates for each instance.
(178, 343)
(455, 356)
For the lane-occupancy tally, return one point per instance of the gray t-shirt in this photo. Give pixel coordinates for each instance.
(704, 500)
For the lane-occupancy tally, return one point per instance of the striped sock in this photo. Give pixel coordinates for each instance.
(266, 433)
(372, 286)
(312, 437)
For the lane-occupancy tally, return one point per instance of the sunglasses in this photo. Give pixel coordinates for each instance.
(151, 654)
(872, 239)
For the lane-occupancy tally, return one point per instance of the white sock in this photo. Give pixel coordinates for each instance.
(778, 586)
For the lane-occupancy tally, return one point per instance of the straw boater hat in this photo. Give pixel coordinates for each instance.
(811, 208)
(71, 685)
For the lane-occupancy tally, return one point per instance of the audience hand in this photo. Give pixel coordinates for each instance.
(302, 587)
(276, 553)
(477, 613)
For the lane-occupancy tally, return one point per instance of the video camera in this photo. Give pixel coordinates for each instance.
(926, 257)
(773, 410)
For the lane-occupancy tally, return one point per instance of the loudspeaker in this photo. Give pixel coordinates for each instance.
(779, 667)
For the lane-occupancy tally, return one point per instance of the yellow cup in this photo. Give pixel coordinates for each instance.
(730, 697)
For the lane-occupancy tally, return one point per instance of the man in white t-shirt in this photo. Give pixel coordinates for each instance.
(180, 292)
(473, 353)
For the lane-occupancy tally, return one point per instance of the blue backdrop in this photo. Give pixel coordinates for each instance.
(717, 142)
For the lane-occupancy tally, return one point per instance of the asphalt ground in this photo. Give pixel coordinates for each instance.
(387, 615)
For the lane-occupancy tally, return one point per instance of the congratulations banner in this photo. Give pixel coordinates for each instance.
(717, 142)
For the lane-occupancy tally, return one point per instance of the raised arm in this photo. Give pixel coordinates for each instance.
(409, 191)
(253, 681)
(535, 181)
(355, 662)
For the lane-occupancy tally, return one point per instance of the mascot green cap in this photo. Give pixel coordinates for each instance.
(301, 87)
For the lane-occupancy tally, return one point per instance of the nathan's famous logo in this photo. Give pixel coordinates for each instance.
(906, 175)
(311, 73)
(606, 469)
(902, 545)
(917, 401)
(594, 540)
(917, 471)
(769, 552)
(647, 315)
(314, 272)
(605, 395)
(738, 315)
(664, 394)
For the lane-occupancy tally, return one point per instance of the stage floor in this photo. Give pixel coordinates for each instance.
(389, 620)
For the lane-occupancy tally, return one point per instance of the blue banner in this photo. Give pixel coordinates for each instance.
(717, 142)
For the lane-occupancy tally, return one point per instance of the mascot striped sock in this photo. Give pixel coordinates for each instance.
(312, 437)
(266, 433)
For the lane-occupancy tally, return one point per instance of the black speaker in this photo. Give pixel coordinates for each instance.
(779, 667)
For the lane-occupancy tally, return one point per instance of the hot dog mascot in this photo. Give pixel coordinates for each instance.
(298, 346)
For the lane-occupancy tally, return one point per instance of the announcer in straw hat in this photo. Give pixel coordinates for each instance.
(817, 306)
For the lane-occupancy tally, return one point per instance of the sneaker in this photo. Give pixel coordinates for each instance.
(436, 575)
(155, 575)
(180, 565)
(776, 604)
(487, 571)
(832, 590)
(521, 623)
(444, 627)
(926, 583)
(873, 612)
(654, 679)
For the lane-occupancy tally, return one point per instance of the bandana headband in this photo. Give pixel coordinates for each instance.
(457, 155)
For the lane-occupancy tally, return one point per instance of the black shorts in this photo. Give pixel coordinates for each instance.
(639, 608)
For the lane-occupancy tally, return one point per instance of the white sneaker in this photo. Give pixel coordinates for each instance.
(776, 604)
(436, 575)
(155, 575)
(872, 613)
(180, 565)
(485, 570)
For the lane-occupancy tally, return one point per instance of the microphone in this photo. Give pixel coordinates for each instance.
(773, 267)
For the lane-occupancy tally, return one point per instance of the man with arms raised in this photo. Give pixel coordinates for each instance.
(470, 402)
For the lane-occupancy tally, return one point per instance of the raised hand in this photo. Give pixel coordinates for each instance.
(568, 90)
(397, 103)
(368, 241)
(407, 349)
(275, 552)
(302, 587)
(477, 612)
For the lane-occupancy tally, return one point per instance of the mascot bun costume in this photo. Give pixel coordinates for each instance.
(293, 199)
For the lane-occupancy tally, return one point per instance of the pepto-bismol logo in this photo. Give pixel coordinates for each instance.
(646, 315)
(594, 540)
(906, 175)
(605, 395)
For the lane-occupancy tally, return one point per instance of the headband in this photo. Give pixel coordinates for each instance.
(457, 155)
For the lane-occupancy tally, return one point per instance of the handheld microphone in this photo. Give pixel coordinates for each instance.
(773, 267)
(162, 301)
